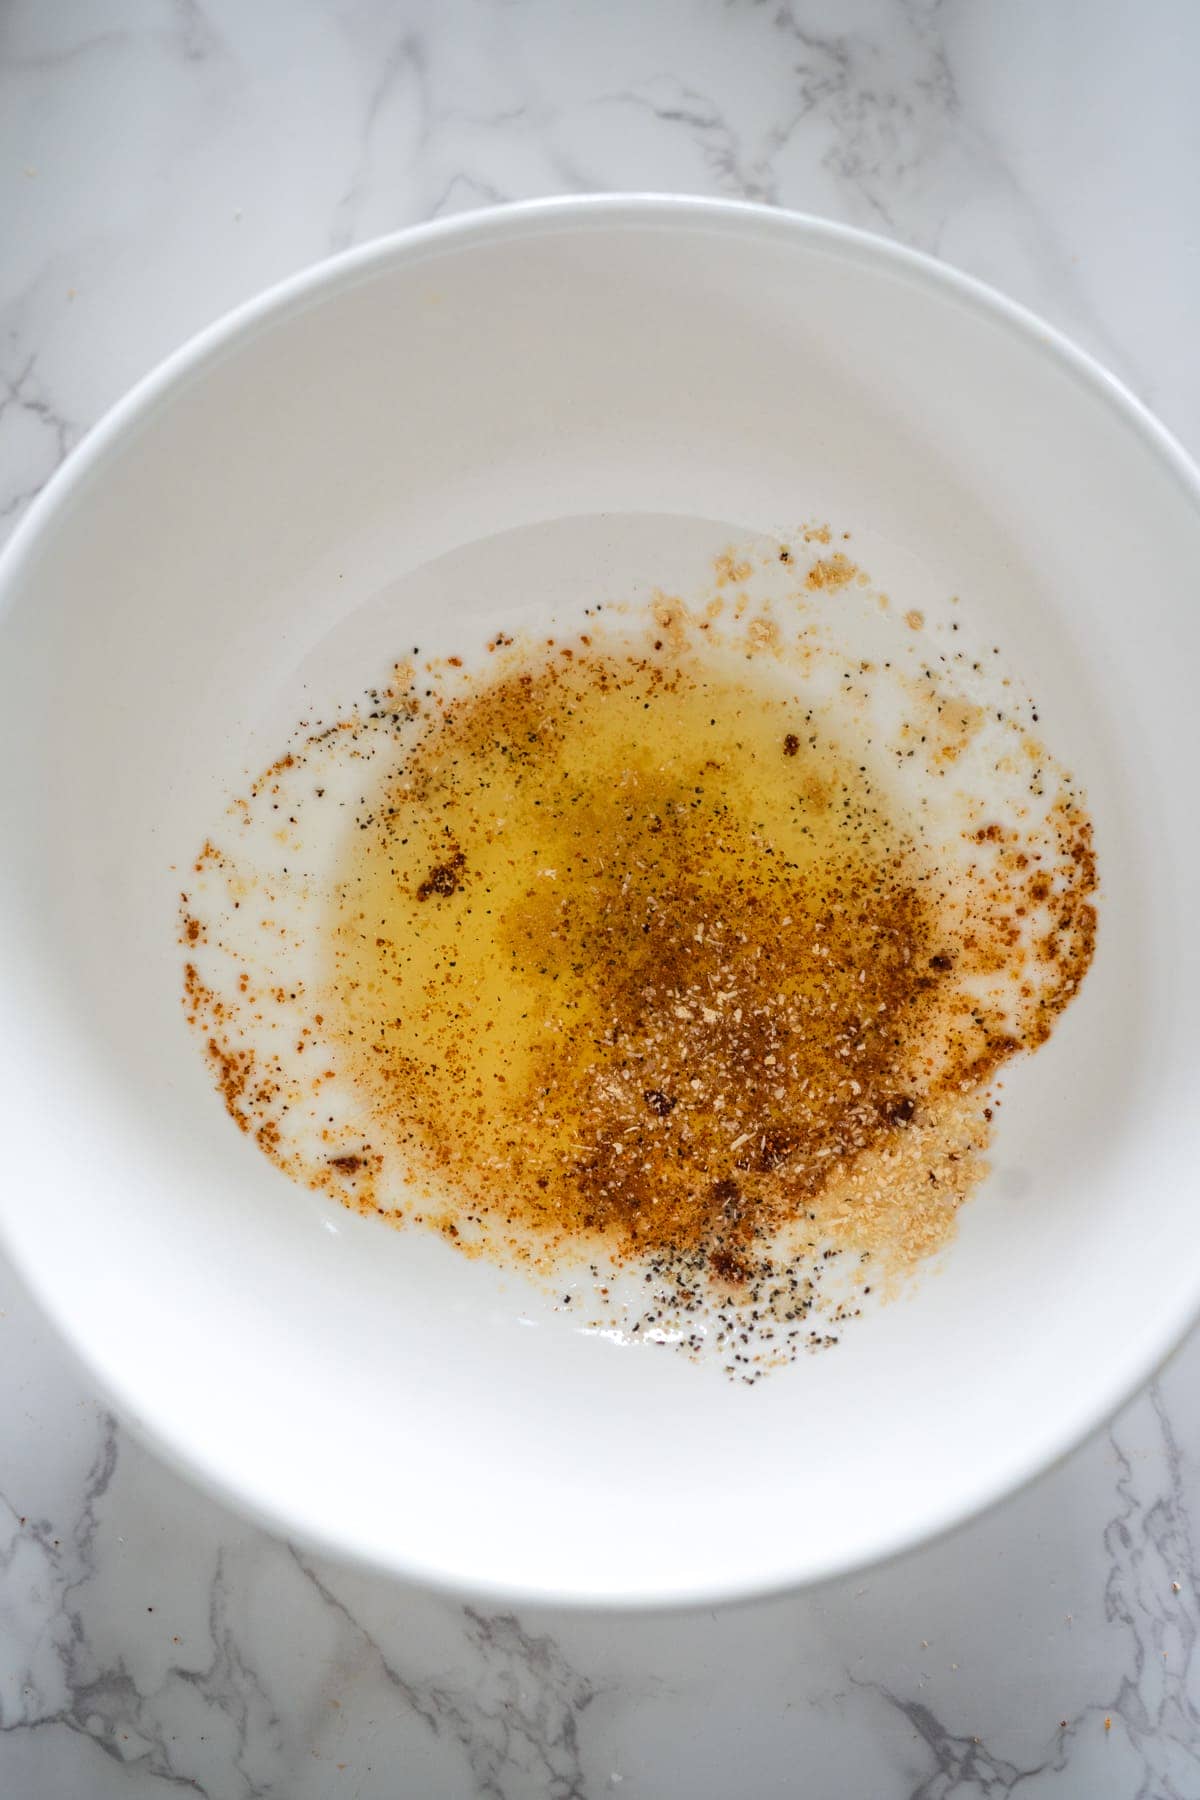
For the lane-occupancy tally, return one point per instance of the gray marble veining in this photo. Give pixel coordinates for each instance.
(163, 159)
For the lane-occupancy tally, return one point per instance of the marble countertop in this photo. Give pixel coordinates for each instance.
(161, 160)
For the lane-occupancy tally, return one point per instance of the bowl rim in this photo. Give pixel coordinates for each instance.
(319, 281)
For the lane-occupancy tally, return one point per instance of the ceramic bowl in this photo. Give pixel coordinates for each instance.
(293, 471)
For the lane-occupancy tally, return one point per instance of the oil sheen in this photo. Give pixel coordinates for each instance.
(627, 946)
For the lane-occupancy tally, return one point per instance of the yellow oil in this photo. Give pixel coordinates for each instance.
(633, 946)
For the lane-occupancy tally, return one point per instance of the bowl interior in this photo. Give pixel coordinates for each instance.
(418, 445)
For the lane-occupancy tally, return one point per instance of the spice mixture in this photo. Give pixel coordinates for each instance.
(636, 956)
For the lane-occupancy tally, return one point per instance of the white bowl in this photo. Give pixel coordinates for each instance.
(368, 1391)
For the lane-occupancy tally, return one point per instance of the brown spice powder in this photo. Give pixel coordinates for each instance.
(608, 971)
(672, 996)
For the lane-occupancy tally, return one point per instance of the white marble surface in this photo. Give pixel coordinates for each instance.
(159, 161)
